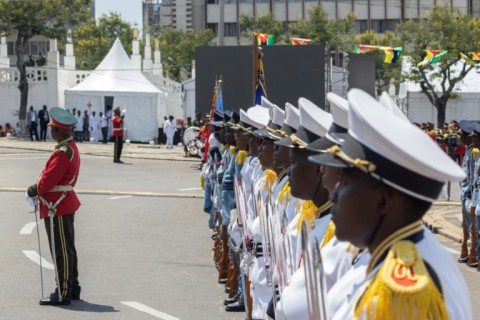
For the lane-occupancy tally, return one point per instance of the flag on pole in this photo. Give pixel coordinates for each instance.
(219, 97)
(431, 56)
(264, 39)
(260, 88)
(300, 41)
(392, 55)
(471, 58)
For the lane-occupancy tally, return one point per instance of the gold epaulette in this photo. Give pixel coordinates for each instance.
(402, 289)
(202, 182)
(329, 234)
(223, 147)
(475, 152)
(269, 177)
(241, 157)
(232, 151)
(307, 213)
(284, 193)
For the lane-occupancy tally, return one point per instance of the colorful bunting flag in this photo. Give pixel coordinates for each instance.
(472, 58)
(393, 55)
(301, 41)
(364, 48)
(431, 56)
(260, 88)
(264, 39)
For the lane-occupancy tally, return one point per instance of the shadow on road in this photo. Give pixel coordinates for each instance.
(85, 306)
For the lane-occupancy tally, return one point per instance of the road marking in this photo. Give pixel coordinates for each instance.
(35, 257)
(190, 189)
(119, 197)
(456, 252)
(141, 307)
(28, 228)
(123, 193)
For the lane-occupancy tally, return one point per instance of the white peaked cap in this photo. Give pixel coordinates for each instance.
(403, 145)
(259, 116)
(314, 122)
(387, 101)
(292, 116)
(339, 109)
(391, 150)
(276, 114)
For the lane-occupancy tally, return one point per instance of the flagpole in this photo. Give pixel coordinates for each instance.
(254, 66)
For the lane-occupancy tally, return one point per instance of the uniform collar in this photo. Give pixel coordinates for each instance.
(63, 142)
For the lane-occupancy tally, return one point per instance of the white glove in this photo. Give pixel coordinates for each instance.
(124, 111)
(468, 204)
(30, 200)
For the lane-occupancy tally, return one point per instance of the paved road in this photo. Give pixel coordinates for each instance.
(140, 257)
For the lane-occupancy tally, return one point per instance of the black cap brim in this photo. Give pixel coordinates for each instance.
(286, 142)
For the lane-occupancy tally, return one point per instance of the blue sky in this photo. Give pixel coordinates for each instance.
(131, 10)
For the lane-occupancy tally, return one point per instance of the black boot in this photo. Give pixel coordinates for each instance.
(231, 300)
(53, 300)
(238, 306)
(76, 292)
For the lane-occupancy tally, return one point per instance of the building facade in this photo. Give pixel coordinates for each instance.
(377, 15)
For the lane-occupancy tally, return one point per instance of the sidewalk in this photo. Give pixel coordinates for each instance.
(133, 150)
(445, 217)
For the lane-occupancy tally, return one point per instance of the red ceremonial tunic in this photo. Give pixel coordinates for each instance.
(117, 126)
(61, 169)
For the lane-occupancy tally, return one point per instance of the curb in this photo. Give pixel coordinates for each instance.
(439, 231)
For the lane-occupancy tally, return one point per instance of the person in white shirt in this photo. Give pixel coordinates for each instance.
(103, 127)
(93, 127)
(78, 127)
(169, 129)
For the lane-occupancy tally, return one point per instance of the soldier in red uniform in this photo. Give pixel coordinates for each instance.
(117, 133)
(59, 202)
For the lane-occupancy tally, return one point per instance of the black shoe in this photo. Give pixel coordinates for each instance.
(473, 265)
(227, 290)
(76, 292)
(231, 300)
(222, 281)
(238, 306)
(118, 161)
(463, 260)
(53, 300)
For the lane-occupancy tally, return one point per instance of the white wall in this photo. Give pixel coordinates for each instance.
(467, 106)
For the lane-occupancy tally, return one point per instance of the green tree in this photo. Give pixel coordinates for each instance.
(27, 19)
(337, 35)
(441, 29)
(265, 23)
(92, 41)
(384, 72)
(178, 50)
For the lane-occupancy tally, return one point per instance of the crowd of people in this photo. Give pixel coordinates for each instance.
(318, 215)
(89, 127)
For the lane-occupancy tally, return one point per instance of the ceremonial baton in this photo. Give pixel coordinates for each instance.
(51, 215)
(319, 276)
(313, 308)
(35, 201)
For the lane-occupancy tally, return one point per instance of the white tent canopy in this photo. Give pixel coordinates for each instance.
(116, 76)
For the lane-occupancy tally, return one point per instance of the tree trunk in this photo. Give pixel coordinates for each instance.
(20, 46)
(441, 107)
